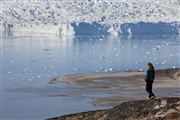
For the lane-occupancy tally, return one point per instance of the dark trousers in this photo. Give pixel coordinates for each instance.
(149, 85)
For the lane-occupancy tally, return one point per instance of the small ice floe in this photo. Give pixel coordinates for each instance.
(12, 61)
(9, 72)
(25, 69)
(39, 76)
(45, 68)
(101, 68)
(147, 52)
(170, 55)
(116, 55)
(135, 46)
(110, 69)
(157, 47)
(106, 70)
(167, 44)
(153, 48)
(115, 49)
(140, 60)
(154, 59)
(29, 79)
(174, 66)
(75, 69)
(101, 57)
(140, 70)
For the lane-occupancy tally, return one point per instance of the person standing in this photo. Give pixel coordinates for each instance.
(149, 79)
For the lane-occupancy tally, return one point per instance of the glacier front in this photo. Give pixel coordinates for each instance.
(90, 17)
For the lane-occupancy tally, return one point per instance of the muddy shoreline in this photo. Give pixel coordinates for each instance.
(113, 88)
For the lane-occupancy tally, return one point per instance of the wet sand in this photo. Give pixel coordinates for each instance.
(110, 89)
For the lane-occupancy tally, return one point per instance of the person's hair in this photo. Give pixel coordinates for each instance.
(151, 66)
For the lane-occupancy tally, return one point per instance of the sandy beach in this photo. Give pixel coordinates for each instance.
(112, 88)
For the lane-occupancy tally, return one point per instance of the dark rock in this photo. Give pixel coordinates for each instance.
(155, 109)
(91, 115)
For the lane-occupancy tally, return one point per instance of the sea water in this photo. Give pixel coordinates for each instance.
(28, 63)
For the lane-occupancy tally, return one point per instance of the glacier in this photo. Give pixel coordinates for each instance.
(90, 17)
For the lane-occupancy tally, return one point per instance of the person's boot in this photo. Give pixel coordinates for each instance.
(153, 97)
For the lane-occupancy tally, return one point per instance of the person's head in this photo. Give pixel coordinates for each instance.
(150, 66)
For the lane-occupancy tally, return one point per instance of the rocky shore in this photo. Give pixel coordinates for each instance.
(124, 93)
(155, 109)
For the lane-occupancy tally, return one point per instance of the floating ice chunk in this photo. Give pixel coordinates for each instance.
(39, 76)
(106, 70)
(101, 68)
(45, 68)
(101, 57)
(174, 66)
(9, 72)
(154, 59)
(116, 55)
(12, 61)
(75, 69)
(167, 43)
(158, 47)
(170, 55)
(153, 48)
(147, 52)
(25, 69)
(110, 69)
(135, 46)
(115, 49)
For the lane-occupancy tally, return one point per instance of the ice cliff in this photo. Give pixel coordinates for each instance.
(90, 16)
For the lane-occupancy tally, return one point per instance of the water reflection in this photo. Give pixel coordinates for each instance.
(68, 55)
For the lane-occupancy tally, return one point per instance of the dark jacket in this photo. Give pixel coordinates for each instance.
(150, 75)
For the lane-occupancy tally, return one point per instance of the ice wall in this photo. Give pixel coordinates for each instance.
(105, 16)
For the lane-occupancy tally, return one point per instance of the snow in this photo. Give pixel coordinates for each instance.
(31, 15)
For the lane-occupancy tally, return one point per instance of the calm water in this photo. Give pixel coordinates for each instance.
(29, 63)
